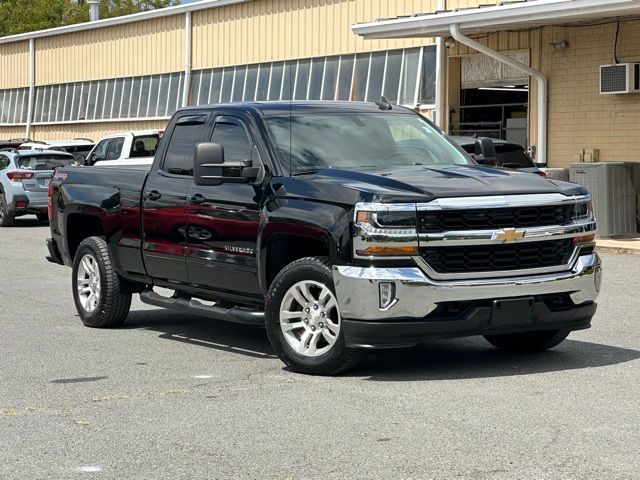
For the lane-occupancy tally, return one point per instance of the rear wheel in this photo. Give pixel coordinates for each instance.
(101, 297)
(303, 319)
(6, 217)
(528, 342)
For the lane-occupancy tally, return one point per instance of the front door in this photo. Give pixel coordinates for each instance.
(223, 221)
(164, 202)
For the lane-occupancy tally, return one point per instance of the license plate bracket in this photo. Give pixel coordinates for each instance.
(512, 311)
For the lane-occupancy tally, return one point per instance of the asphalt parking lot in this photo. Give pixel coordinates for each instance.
(181, 397)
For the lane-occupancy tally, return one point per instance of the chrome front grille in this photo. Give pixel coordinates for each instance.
(498, 257)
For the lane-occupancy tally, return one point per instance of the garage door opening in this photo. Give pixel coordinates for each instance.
(494, 99)
(496, 112)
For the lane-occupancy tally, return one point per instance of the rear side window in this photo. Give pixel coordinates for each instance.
(4, 162)
(513, 156)
(178, 159)
(144, 146)
(44, 162)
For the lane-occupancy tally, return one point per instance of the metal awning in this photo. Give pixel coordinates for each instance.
(519, 15)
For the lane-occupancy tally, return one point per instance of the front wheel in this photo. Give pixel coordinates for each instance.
(303, 319)
(101, 297)
(528, 342)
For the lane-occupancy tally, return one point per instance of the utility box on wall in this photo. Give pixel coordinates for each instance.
(614, 188)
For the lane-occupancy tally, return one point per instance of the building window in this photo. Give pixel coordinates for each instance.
(13, 106)
(404, 77)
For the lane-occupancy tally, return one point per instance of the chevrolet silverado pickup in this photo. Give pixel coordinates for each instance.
(340, 227)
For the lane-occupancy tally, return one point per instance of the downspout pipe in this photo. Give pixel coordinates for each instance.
(441, 68)
(32, 86)
(539, 76)
(188, 36)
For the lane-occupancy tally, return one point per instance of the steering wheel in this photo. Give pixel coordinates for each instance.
(410, 151)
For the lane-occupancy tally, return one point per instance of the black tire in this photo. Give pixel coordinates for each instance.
(7, 217)
(528, 342)
(339, 358)
(115, 300)
(43, 217)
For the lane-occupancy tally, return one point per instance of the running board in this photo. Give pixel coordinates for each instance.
(185, 305)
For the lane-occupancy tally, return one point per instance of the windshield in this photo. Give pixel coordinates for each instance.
(44, 162)
(312, 142)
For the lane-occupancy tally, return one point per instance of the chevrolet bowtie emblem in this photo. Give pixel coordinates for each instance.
(509, 235)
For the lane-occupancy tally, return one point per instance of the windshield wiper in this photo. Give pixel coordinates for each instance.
(310, 171)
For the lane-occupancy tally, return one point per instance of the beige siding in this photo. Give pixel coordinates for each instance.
(14, 62)
(579, 117)
(142, 48)
(95, 131)
(266, 30)
(7, 133)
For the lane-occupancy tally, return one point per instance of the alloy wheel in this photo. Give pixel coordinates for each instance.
(88, 283)
(309, 318)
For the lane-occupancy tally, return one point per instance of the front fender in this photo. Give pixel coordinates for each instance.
(327, 223)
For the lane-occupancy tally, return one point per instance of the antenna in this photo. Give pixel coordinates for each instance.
(383, 103)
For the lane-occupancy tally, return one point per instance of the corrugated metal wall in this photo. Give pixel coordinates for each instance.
(141, 48)
(266, 30)
(14, 64)
(251, 32)
(94, 131)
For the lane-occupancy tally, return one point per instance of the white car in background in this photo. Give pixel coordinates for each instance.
(126, 149)
(78, 147)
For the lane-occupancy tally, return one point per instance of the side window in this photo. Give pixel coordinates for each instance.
(144, 146)
(178, 159)
(100, 152)
(115, 148)
(4, 162)
(234, 139)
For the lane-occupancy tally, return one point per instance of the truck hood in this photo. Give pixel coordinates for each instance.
(421, 184)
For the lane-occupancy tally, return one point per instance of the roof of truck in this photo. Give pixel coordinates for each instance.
(266, 108)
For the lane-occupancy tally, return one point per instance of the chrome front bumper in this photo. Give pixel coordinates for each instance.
(417, 295)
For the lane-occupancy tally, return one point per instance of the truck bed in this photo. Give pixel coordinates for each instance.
(110, 195)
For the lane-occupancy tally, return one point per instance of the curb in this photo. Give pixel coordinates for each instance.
(617, 250)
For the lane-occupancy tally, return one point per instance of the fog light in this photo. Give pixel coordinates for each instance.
(387, 294)
(21, 204)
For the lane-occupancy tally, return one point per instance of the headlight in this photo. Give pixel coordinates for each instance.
(583, 211)
(385, 230)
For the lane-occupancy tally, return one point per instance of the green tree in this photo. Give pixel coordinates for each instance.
(19, 16)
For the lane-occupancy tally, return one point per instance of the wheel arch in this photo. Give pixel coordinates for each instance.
(80, 226)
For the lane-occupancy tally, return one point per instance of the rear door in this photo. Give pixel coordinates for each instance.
(164, 246)
(223, 220)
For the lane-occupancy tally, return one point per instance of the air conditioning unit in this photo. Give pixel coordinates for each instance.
(613, 186)
(619, 78)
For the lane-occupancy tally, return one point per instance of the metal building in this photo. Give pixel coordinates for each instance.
(133, 72)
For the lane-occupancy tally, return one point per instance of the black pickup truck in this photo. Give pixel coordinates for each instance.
(340, 227)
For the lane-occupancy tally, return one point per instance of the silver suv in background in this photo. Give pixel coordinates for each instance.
(78, 147)
(25, 176)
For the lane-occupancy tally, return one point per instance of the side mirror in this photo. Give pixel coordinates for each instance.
(210, 167)
(485, 152)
